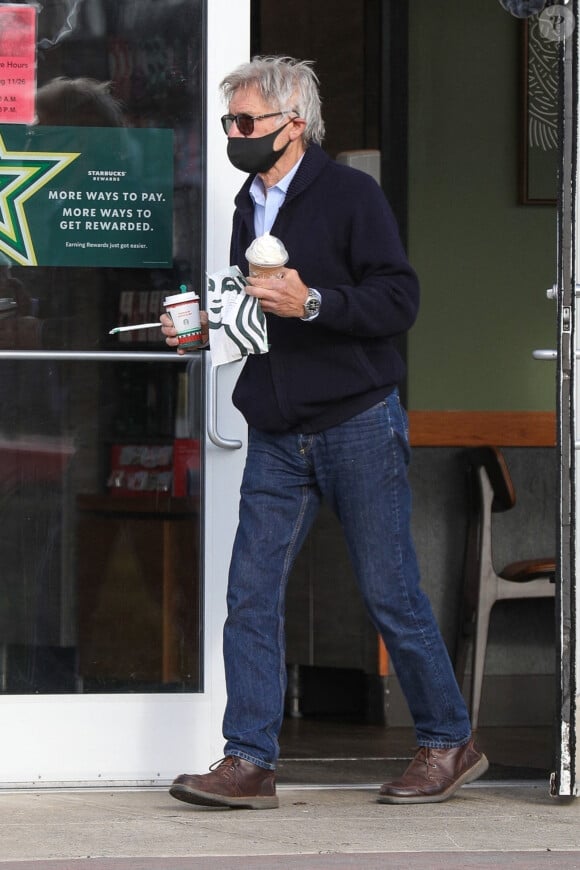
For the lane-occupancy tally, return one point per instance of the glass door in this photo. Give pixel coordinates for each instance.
(119, 460)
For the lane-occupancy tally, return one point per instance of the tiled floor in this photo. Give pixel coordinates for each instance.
(327, 751)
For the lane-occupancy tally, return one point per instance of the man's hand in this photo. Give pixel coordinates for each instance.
(170, 332)
(284, 297)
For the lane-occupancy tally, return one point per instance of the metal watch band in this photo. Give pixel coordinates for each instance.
(312, 304)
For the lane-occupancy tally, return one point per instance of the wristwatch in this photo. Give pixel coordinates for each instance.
(312, 304)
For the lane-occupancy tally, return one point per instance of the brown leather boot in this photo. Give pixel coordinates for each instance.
(434, 775)
(233, 782)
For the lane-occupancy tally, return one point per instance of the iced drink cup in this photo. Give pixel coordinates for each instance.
(266, 257)
(183, 308)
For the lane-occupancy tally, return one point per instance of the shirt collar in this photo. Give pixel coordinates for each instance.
(258, 193)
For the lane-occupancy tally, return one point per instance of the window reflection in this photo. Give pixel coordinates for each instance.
(100, 584)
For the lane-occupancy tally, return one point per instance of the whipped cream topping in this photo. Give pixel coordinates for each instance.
(267, 250)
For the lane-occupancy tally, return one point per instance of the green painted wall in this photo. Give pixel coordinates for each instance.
(484, 260)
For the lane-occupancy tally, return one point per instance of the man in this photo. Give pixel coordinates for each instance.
(324, 422)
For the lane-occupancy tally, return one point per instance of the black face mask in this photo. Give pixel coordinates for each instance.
(255, 155)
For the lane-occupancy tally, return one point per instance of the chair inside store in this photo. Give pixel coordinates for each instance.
(491, 492)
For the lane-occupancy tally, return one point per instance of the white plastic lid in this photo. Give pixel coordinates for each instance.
(180, 297)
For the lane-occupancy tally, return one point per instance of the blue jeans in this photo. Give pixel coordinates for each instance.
(360, 468)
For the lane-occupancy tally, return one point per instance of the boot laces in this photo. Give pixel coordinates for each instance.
(427, 756)
(225, 767)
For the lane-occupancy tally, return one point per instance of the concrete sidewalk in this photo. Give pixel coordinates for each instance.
(486, 825)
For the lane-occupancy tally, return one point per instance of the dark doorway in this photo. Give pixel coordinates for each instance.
(339, 731)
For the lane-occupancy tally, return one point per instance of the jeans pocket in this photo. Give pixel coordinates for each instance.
(398, 421)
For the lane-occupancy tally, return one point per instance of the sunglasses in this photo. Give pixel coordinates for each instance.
(245, 123)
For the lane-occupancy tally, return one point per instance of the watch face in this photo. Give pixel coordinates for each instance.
(312, 304)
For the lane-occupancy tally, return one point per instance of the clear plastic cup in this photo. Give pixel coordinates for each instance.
(259, 271)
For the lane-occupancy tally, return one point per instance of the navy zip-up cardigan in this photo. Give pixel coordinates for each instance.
(343, 240)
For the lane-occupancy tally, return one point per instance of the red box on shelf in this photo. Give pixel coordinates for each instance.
(140, 468)
(186, 465)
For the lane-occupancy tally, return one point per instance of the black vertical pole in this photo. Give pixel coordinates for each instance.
(394, 138)
(394, 107)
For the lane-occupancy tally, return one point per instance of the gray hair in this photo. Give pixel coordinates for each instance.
(284, 83)
(82, 102)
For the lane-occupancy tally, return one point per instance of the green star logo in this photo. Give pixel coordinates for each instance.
(22, 175)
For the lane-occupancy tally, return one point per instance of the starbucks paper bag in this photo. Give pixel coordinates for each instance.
(237, 324)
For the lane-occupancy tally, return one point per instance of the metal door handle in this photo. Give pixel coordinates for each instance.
(93, 356)
(211, 373)
(545, 354)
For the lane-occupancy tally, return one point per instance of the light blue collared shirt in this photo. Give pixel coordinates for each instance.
(268, 204)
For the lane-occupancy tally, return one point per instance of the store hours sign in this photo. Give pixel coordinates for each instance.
(86, 196)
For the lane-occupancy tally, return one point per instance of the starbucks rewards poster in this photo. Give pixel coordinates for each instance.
(86, 196)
